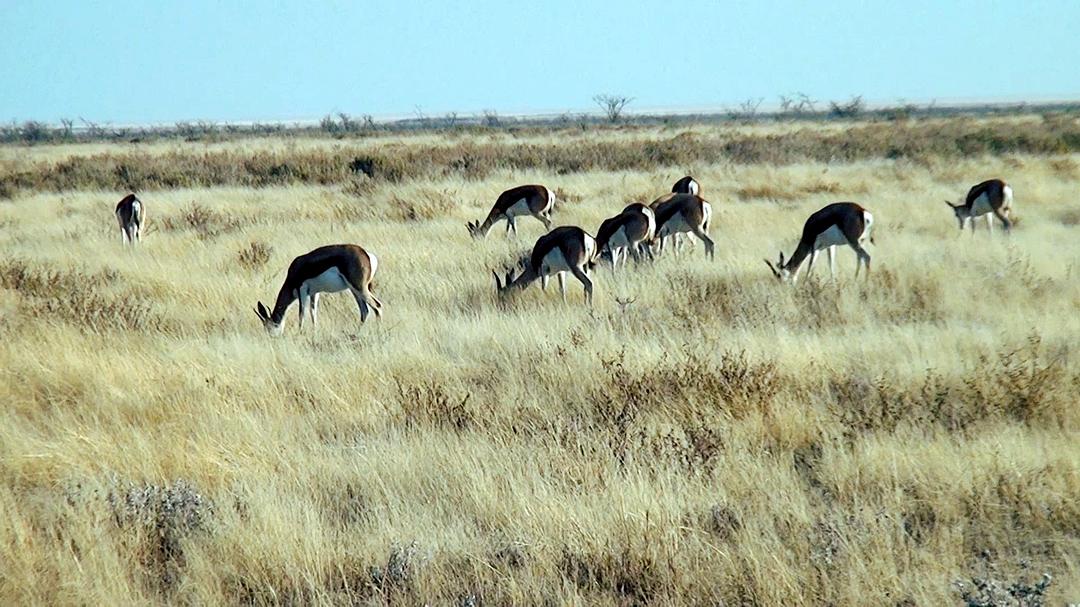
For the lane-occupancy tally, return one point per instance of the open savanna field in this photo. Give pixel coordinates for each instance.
(724, 439)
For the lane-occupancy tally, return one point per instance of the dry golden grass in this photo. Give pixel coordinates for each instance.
(725, 439)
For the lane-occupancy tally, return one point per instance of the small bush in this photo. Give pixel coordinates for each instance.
(255, 255)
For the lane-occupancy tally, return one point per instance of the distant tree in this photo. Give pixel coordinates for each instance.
(747, 110)
(797, 104)
(851, 108)
(613, 105)
(491, 119)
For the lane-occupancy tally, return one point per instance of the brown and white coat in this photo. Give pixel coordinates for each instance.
(535, 200)
(836, 224)
(130, 214)
(328, 269)
(564, 249)
(992, 198)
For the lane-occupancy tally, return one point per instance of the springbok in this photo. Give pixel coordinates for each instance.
(992, 198)
(627, 233)
(683, 213)
(686, 185)
(835, 224)
(328, 269)
(564, 249)
(130, 213)
(534, 200)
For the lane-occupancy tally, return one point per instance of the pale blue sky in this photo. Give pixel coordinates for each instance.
(149, 61)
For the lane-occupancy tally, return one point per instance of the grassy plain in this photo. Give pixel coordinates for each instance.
(722, 440)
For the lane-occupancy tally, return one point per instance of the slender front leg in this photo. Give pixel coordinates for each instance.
(581, 275)
(864, 257)
(314, 309)
(832, 262)
(562, 285)
(810, 263)
(305, 300)
(990, 223)
(543, 282)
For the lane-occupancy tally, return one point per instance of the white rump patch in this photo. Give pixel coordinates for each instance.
(374, 263)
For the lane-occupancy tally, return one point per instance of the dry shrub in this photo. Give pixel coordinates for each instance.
(627, 575)
(205, 222)
(255, 255)
(164, 517)
(766, 191)
(911, 298)
(75, 297)
(386, 168)
(395, 164)
(1024, 383)
(430, 404)
(1069, 217)
(685, 393)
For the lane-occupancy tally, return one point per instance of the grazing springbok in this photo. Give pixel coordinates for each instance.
(627, 233)
(992, 198)
(130, 214)
(683, 213)
(835, 224)
(564, 249)
(534, 200)
(686, 185)
(328, 269)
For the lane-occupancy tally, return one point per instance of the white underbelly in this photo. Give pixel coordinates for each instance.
(330, 281)
(830, 238)
(553, 263)
(519, 208)
(981, 206)
(619, 239)
(675, 225)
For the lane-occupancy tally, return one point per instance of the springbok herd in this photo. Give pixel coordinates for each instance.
(640, 231)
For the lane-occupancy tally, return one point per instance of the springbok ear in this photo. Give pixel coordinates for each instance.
(771, 268)
(257, 313)
(498, 285)
(263, 312)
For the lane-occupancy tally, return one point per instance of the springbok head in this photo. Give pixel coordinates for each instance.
(779, 270)
(962, 213)
(474, 229)
(273, 328)
(502, 287)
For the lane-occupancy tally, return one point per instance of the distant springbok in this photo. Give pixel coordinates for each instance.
(686, 185)
(992, 198)
(328, 269)
(680, 214)
(534, 200)
(130, 214)
(627, 233)
(836, 224)
(564, 249)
